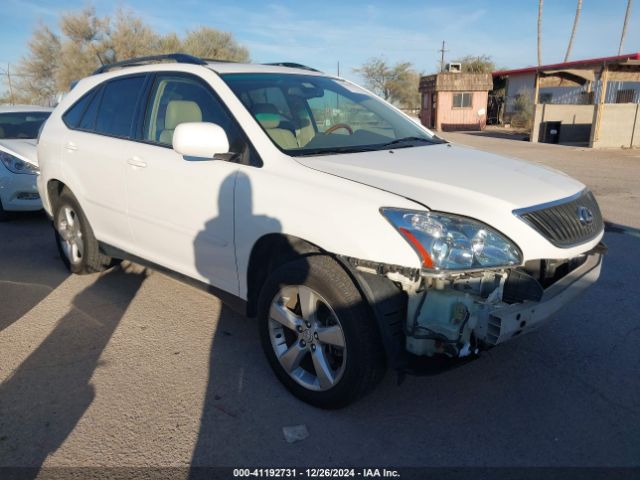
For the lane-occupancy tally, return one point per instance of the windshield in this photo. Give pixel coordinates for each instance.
(314, 115)
(21, 124)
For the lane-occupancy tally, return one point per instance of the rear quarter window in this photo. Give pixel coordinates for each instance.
(73, 116)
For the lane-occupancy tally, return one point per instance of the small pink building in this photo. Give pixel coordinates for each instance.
(455, 101)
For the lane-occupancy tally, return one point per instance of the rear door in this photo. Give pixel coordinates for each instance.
(95, 152)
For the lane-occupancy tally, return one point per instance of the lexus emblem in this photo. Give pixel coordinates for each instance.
(585, 216)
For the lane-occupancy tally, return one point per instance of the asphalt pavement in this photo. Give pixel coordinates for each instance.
(132, 368)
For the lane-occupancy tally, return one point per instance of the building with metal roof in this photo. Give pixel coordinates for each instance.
(593, 102)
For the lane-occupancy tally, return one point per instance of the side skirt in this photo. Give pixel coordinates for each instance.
(234, 302)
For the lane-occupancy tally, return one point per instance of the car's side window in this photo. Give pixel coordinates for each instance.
(118, 105)
(88, 121)
(73, 115)
(177, 99)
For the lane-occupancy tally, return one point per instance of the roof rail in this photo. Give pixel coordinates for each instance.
(293, 65)
(218, 60)
(176, 57)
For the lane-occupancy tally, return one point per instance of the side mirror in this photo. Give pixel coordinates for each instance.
(200, 139)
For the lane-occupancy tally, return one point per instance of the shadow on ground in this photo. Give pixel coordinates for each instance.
(504, 134)
(46, 396)
(33, 268)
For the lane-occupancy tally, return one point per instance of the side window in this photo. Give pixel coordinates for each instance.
(177, 99)
(88, 121)
(73, 115)
(117, 108)
(461, 100)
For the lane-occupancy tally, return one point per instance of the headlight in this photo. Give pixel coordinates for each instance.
(16, 165)
(450, 242)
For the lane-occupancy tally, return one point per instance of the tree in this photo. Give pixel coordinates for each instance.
(398, 84)
(130, 37)
(169, 43)
(35, 79)
(540, 3)
(476, 64)
(84, 47)
(86, 41)
(209, 43)
(627, 14)
(523, 109)
(573, 30)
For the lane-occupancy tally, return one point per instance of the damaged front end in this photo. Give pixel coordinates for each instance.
(459, 314)
(456, 315)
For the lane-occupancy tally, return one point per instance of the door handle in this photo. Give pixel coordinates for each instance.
(137, 162)
(71, 147)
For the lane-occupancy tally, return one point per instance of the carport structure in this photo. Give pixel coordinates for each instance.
(594, 102)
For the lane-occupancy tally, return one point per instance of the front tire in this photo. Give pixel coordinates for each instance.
(76, 242)
(317, 333)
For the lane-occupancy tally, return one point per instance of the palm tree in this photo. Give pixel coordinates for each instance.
(540, 2)
(624, 26)
(573, 30)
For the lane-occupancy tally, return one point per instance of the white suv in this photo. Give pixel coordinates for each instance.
(358, 238)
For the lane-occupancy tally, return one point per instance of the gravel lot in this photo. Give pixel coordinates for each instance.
(131, 368)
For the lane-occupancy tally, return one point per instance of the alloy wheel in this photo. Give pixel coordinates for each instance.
(69, 229)
(307, 337)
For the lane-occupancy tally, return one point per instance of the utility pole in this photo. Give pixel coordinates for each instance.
(442, 50)
(627, 14)
(10, 86)
(338, 67)
(7, 72)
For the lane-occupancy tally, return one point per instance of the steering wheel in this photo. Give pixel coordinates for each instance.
(337, 126)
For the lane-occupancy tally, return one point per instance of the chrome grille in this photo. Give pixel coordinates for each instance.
(567, 222)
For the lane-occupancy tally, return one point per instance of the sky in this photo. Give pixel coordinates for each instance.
(322, 33)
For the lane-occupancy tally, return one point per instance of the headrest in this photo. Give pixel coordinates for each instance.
(268, 120)
(266, 114)
(181, 111)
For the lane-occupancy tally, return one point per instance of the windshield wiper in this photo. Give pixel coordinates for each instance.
(330, 150)
(398, 141)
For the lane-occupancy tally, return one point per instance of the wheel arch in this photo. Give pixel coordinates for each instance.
(268, 253)
(54, 190)
(386, 301)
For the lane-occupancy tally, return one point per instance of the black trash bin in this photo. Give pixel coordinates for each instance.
(550, 132)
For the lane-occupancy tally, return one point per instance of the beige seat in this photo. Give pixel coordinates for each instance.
(178, 111)
(267, 115)
(304, 131)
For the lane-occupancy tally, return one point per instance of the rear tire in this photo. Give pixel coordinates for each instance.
(76, 242)
(328, 353)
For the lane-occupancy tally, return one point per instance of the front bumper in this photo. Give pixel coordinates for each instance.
(453, 321)
(506, 322)
(19, 192)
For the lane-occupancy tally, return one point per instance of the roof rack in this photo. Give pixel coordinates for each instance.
(218, 60)
(293, 65)
(176, 57)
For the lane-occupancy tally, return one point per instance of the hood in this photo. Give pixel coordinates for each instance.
(24, 149)
(451, 178)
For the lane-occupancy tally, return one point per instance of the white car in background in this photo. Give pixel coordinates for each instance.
(19, 127)
(357, 237)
